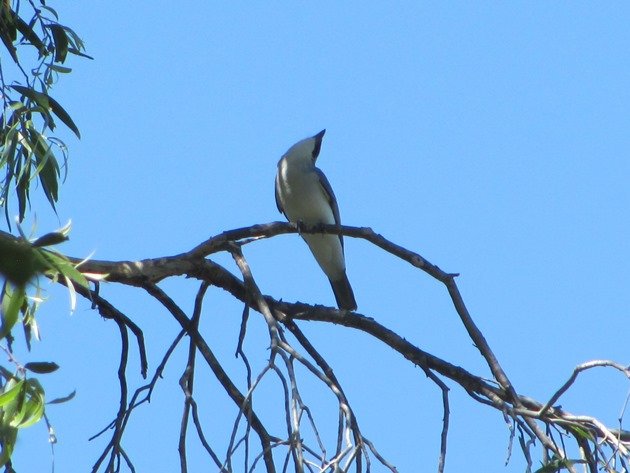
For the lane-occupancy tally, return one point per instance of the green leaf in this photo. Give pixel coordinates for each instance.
(60, 69)
(557, 464)
(47, 168)
(38, 97)
(64, 267)
(61, 42)
(30, 35)
(61, 400)
(31, 412)
(582, 433)
(11, 390)
(49, 239)
(51, 10)
(8, 436)
(13, 407)
(48, 103)
(548, 468)
(28, 410)
(22, 189)
(42, 367)
(11, 305)
(29, 324)
(58, 110)
(8, 375)
(8, 43)
(77, 52)
(67, 270)
(19, 262)
(74, 38)
(7, 17)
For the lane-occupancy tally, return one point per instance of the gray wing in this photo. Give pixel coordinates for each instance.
(330, 195)
(278, 202)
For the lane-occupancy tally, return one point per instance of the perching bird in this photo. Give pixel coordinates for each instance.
(304, 195)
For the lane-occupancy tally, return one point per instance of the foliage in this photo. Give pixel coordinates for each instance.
(35, 49)
(38, 47)
(22, 397)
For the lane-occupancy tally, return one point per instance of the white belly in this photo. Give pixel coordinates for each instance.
(304, 200)
(302, 196)
(328, 253)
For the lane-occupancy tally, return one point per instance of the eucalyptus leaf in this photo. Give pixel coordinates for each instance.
(49, 239)
(11, 390)
(22, 189)
(32, 409)
(60, 69)
(31, 412)
(47, 165)
(48, 103)
(42, 367)
(60, 400)
(11, 305)
(9, 45)
(61, 42)
(30, 35)
(77, 52)
(51, 10)
(8, 436)
(19, 261)
(38, 97)
(65, 267)
(59, 111)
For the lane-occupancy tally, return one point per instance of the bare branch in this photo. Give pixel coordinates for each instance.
(253, 289)
(217, 369)
(445, 420)
(523, 414)
(114, 448)
(108, 311)
(578, 369)
(325, 367)
(186, 381)
(122, 419)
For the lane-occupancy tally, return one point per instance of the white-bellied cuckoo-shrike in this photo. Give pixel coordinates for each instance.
(304, 196)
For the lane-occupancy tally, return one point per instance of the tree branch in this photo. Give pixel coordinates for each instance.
(217, 369)
(524, 411)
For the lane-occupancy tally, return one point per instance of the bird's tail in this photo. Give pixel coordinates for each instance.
(343, 293)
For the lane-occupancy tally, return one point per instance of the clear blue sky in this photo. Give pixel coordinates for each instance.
(492, 138)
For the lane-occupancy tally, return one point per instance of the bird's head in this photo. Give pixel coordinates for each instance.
(307, 148)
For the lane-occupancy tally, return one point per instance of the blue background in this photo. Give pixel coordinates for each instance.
(490, 137)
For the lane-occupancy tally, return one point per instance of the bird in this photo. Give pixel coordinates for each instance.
(305, 197)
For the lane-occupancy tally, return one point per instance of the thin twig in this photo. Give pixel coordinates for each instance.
(114, 448)
(134, 402)
(108, 311)
(218, 371)
(186, 381)
(344, 404)
(256, 294)
(445, 419)
(245, 409)
(577, 370)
